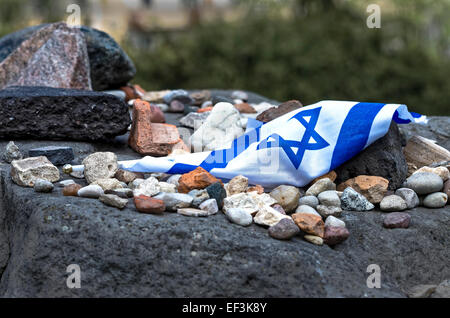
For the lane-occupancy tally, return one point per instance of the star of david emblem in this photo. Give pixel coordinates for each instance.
(308, 119)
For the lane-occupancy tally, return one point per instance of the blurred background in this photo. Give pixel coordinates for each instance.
(309, 50)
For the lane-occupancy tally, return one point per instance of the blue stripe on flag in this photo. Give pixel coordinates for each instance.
(354, 132)
(180, 168)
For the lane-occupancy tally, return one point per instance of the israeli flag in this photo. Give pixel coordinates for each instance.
(294, 148)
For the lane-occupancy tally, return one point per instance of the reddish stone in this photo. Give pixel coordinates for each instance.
(372, 187)
(196, 179)
(148, 138)
(309, 223)
(156, 115)
(71, 190)
(54, 56)
(279, 208)
(181, 147)
(276, 112)
(149, 205)
(130, 93)
(396, 220)
(139, 90)
(334, 235)
(245, 108)
(258, 188)
(204, 110)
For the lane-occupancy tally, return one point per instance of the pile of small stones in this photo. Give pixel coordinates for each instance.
(287, 211)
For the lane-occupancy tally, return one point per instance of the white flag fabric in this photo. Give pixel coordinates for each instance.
(294, 148)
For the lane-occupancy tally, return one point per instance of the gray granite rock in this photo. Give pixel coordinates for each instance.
(353, 201)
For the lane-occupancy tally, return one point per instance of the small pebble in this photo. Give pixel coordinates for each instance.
(333, 221)
(317, 240)
(310, 200)
(393, 203)
(113, 200)
(149, 205)
(124, 193)
(326, 211)
(192, 212)
(285, 229)
(329, 198)
(410, 197)
(435, 200)
(335, 235)
(353, 201)
(63, 183)
(306, 209)
(287, 196)
(239, 216)
(320, 186)
(71, 190)
(396, 220)
(44, 186)
(210, 206)
(91, 191)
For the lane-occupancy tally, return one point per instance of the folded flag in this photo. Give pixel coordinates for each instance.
(294, 148)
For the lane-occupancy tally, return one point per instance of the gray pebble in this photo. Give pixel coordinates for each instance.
(239, 216)
(424, 183)
(435, 200)
(44, 186)
(310, 200)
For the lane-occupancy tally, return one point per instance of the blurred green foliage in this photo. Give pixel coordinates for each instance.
(324, 52)
(321, 49)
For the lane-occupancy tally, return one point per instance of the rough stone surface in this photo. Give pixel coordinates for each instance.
(167, 187)
(410, 197)
(335, 235)
(372, 187)
(54, 56)
(24, 172)
(110, 67)
(245, 108)
(237, 185)
(309, 223)
(58, 113)
(310, 200)
(113, 200)
(279, 111)
(392, 203)
(12, 152)
(196, 179)
(396, 220)
(175, 201)
(353, 201)
(420, 151)
(421, 291)
(55, 154)
(257, 188)
(285, 229)
(383, 158)
(435, 200)
(44, 186)
(424, 183)
(100, 165)
(149, 187)
(320, 186)
(442, 290)
(239, 216)
(436, 129)
(268, 216)
(286, 196)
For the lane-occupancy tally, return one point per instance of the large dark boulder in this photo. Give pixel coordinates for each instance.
(110, 65)
(56, 113)
(383, 158)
